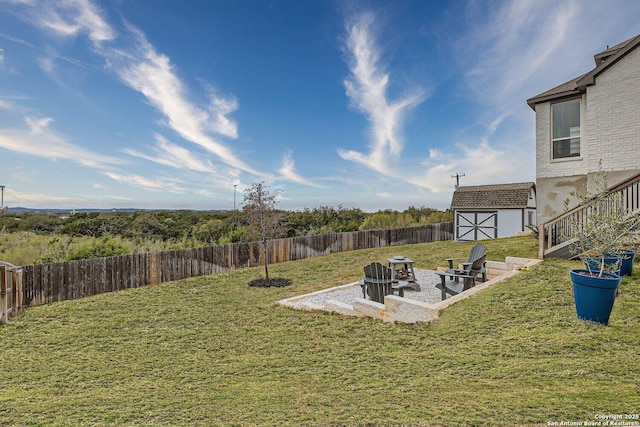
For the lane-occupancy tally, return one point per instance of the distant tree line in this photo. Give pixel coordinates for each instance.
(117, 233)
(215, 227)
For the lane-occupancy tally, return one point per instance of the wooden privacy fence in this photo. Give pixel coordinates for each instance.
(42, 284)
(10, 291)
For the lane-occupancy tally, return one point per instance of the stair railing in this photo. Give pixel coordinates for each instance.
(556, 232)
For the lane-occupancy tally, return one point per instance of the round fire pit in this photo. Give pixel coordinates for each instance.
(271, 283)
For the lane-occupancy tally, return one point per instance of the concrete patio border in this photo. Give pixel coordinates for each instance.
(405, 310)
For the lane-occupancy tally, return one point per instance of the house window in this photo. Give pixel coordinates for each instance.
(566, 129)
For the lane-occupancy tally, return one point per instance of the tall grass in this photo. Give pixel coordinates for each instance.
(24, 248)
(213, 351)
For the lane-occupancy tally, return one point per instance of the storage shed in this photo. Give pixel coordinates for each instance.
(492, 211)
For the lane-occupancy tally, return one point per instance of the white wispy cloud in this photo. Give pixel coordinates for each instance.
(151, 73)
(219, 109)
(38, 139)
(480, 162)
(197, 174)
(367, 89)
(72, 17)
(512, 50)
(46, 64)
(510, 44)
(169, 154)
(5, 105)
(140, 66)
(22, 198)
(154, 184)
(503, 53)
(509, 51)
(288, 172)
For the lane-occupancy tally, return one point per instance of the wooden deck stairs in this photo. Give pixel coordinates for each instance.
(554, 235)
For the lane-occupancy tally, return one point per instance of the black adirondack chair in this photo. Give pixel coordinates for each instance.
(377, 282)
(477, 251)
(460, 280)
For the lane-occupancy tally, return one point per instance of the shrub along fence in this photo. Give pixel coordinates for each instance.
(42, 284)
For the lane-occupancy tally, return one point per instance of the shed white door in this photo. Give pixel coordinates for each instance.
(476, 225)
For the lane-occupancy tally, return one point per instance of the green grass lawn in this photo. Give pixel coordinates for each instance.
(213, 351)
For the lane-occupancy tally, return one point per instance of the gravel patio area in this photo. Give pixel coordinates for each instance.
(427, 279)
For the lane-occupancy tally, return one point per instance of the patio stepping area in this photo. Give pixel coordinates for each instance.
(416, 306)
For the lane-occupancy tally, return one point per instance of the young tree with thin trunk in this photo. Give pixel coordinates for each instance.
(262, 216)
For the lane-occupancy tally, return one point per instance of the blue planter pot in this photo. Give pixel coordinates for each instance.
(594, 263)
(594, 296)
(626, 263)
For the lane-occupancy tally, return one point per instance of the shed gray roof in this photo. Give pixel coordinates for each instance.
(604, 60)
(492, 196)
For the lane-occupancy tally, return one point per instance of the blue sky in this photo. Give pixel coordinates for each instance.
(369, 104)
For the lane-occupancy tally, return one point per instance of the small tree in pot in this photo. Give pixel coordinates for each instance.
(605, 227)
(604, 230)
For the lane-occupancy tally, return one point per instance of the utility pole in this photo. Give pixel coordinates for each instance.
(234, 196)
(457, 177)
(2, 201)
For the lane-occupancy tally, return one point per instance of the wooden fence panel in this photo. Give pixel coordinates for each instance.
(36, 284)
(71, 291)
(110, 274)
(205, 261)
(166, 268)
(26, 288)
(84, 277)
(4, 295)
(43, 287)
(179, 264)
(133, 274)
(138, 272)
(41, 284)
(17, 291)
(146, 270)
(176, 265)
(11, 291)
(171, 265)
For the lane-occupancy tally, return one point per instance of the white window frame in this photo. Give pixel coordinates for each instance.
(573, 133)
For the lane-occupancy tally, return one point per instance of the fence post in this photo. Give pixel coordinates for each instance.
(3, 295)
(16, 275)
(154, 267)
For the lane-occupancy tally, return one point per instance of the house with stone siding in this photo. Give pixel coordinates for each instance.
(590, 119)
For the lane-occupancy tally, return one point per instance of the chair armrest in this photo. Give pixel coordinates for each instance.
(450, 260)
(454, 287)
(467, 265)
(367, 280)
(454, 274)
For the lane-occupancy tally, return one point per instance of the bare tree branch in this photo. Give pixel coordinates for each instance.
(262, 216)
